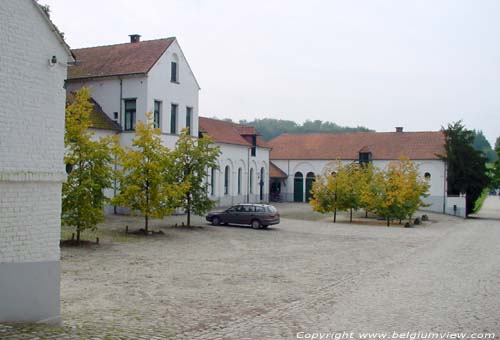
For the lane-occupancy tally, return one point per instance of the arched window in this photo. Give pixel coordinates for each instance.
(427, 176)
(212, 181)
(226, 180)
(251, 181)
(239, 181)
(174, 69)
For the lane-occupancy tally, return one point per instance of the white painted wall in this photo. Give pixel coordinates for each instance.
(436, 168)
(31, 162)
(235, 157)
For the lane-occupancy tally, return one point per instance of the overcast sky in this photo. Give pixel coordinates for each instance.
(379, 64)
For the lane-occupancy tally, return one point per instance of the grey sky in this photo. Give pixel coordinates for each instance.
(380, 64)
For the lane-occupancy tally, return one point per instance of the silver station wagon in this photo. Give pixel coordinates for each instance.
(256, 215)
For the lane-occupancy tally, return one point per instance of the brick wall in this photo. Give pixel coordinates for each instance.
(31, 134)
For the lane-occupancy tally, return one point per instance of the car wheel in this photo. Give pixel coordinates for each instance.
(256, 224)
(215, 220)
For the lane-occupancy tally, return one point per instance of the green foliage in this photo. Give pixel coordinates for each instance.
(270, 128)
(482, 144)
(466, 166)
(146, 181)
(395, 192)
(83, 192)
(495, 168)
(479, 202)
(191, 158)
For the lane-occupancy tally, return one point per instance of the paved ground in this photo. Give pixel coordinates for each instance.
(237, 283)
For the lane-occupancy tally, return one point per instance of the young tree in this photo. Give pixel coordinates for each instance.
(91, 163)
(145, 185)
(338, 190)
(192, 157)
(466, 166)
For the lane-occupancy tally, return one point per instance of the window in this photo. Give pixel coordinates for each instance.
(189, 113)
(129, 114)
(254, 145)
(258, 208)
(239, 181)
(251, 181)
(365, 157)
(173, 72)
(226, 180)
(157, 113)
(427, 176)
(173, 119)
(212, 181)
(115, 115)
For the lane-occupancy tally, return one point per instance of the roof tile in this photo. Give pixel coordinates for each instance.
(382, 145)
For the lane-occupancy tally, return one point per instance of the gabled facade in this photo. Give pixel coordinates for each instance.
(243, 174)
(303, 156)
(33, 58)
(128, 80)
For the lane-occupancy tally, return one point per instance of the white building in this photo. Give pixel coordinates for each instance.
(297, 158)
(128, 80)
(33, 64)
(243, 174)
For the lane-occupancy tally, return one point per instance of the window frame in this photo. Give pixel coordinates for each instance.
(157, 113)
(189, 119)
(132, 113)
(174, 72)
(173, 118)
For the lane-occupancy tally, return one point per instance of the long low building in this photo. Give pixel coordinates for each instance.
(297, 158)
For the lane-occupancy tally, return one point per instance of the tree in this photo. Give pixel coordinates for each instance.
(192, 157)
(466, 166)
(145, 181)
(91, 163)
(395, 192)
(481, 144)
(338, 190)
(495, 181)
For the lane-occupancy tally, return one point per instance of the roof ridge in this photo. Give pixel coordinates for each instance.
(126, 43)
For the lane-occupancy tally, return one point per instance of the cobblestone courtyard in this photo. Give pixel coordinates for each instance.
(299, 276)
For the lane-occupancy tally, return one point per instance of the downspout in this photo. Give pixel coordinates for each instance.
(445, 194)
(248, 175)
(120, 123)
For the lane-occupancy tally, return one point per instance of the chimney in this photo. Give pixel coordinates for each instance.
(399, 129)
(134, 38)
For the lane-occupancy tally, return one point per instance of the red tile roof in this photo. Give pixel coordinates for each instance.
(223, 131)
(99, 119)
(116, 60)
(275, 172)
(382, 145)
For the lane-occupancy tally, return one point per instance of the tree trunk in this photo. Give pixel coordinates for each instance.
(350, 217)
(366, 213)
(334, 215)
(78, 235)
(146, 223)
(388, 221)
(188, 209)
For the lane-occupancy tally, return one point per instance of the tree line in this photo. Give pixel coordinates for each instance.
(270, 128)
(150, 179)
(395, 192)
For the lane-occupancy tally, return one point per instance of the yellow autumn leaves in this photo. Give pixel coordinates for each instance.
(395, 192)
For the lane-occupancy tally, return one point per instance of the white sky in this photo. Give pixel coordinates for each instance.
(419, 64)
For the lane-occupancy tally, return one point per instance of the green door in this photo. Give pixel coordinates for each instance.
(298, 187)
(310, 178)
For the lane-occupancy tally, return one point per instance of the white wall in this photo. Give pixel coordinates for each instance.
(238, 156)
(184, 93)
(31, 162)
(436, 168)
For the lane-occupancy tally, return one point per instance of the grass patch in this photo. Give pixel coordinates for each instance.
(480, 200)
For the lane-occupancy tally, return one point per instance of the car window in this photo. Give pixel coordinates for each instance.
(260, 209)
(248, 208)
(272, 209)
(239, 208)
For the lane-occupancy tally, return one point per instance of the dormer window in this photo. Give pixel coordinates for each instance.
(365, 158)
(254, 145)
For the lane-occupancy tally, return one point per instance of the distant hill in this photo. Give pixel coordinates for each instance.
(270, 128)
(482, 144)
